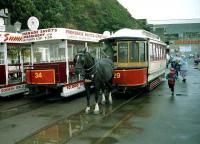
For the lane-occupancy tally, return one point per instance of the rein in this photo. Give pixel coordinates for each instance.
(92, 68)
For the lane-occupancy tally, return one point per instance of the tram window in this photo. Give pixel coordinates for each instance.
(134, 52)
(162, 48)
(114, 53)
(142, 51)
(93, 49)
(53, 52)
(158, 52)
(154, 52)
(61, 52)
(71, 52)
(13, 55)
(14, 72)
(123, 52)
(74, 48)
(164, 53)
(151, 51)
(25, 54)
(1, 54)
(41, 53)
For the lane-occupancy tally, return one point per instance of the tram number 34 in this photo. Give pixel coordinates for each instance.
(117, 75)
(38, 75)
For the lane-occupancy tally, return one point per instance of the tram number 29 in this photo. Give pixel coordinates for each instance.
(117, 75)
(38, 75)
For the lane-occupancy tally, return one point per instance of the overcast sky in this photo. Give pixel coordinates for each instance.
(163, 9)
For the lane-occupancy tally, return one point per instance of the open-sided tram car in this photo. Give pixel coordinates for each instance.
(52, 53)
(139, 58)
(13, 60)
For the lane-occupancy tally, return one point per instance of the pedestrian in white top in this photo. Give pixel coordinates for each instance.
(183, 68)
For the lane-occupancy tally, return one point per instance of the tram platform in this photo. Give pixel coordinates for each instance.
(152, 118)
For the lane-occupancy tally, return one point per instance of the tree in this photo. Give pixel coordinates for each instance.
(89, 15)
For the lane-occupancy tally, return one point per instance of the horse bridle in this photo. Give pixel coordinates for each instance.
(93, 72)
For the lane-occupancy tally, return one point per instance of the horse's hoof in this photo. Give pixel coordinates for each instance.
(96, 112)
(96, 109)
(87, 110)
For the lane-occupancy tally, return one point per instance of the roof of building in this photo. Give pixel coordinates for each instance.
(173, 21)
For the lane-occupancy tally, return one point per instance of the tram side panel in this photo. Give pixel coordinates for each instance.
(50, 78)
(2, 75)
(130, 77)
(47, 73)
(156, 69)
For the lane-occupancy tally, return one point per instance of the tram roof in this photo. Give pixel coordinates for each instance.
(61, 34)
(127, 33)
(50, 34)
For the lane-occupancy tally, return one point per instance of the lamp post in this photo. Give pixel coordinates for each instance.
(17, 26)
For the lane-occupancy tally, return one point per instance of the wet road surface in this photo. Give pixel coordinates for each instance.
(153, 118)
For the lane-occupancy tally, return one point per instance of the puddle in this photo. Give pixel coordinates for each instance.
(59, 132)
(195, 83)
(178, 94)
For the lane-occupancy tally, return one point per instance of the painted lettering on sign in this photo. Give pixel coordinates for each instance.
(117, 75)
(43, 34)
(38, 75)
(75, 85)
(12, 88)
(74, 34)
(12, 38)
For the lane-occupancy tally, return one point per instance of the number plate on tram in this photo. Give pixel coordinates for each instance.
(40, 76)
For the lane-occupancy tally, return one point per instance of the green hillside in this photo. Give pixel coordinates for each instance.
(89, 15)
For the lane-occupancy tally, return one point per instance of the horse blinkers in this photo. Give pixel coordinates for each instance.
(79, 62)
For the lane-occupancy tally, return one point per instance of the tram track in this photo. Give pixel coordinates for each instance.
(12, 107)
(79, 122)
(9, 108)
(19, 109)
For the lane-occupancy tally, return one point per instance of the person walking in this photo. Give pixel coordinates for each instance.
(171, 76)
(183, 68)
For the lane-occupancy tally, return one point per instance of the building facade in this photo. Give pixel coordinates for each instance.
(183, 36)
